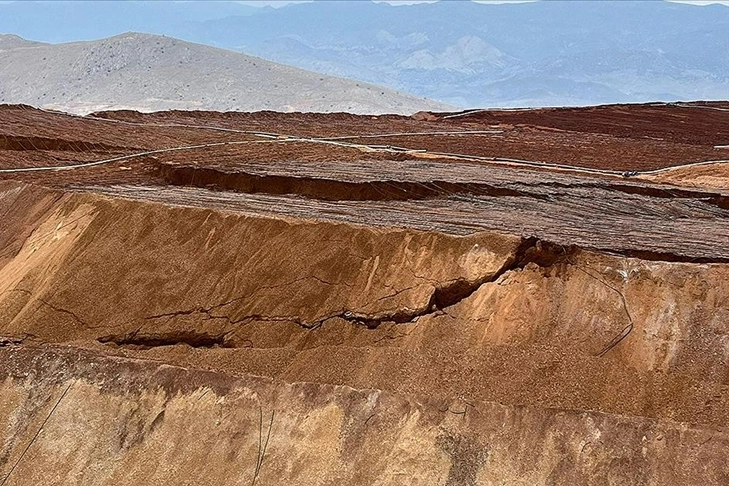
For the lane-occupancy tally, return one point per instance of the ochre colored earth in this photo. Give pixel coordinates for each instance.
(506, 297)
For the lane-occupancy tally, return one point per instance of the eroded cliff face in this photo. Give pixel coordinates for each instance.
(77, 417)
(119, 265)
(385, 356)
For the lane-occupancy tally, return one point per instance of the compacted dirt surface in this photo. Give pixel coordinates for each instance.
(522, 297)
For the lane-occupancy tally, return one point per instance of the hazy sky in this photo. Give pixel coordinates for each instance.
(280, 3)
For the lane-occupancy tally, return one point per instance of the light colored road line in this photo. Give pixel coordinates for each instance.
(683, 166)
(416, 134)
(119, 158)
(273, 137)
(701, 107)
(379, 148)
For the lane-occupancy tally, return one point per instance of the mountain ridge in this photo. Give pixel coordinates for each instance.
(541, 53)
(376, 42)
(148, 72)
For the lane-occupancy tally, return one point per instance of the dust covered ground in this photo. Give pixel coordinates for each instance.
(487, 297)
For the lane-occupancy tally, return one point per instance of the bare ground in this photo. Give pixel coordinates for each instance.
(415, 312)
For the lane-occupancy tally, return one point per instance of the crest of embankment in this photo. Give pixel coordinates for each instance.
(599, 363)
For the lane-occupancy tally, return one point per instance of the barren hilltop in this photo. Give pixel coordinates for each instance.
(149, 72)
(533, 297)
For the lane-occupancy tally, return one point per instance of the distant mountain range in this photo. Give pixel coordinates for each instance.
(459, 52)
(148, 72)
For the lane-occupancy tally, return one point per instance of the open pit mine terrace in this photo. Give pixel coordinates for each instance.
(521, 297)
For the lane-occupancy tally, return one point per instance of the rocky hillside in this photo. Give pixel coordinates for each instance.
(148, 72)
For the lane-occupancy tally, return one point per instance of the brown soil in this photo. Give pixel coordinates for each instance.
(714, 176)
(380, 315)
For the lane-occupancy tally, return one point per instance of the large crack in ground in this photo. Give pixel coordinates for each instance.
(191, 338)
(445, 295)
(329, 189)
(660, 191)
(453, 292)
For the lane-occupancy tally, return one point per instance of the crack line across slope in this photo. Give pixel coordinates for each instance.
(60, 310)
(442, 297)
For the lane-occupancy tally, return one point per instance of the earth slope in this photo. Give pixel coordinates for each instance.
(455, 299)
(147, 72)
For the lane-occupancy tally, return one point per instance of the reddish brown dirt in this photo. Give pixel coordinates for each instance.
(616, 137)
(506, 308)
(688, 123)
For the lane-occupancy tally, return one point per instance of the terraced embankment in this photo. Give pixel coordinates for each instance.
(156, 334)
(74, 417)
